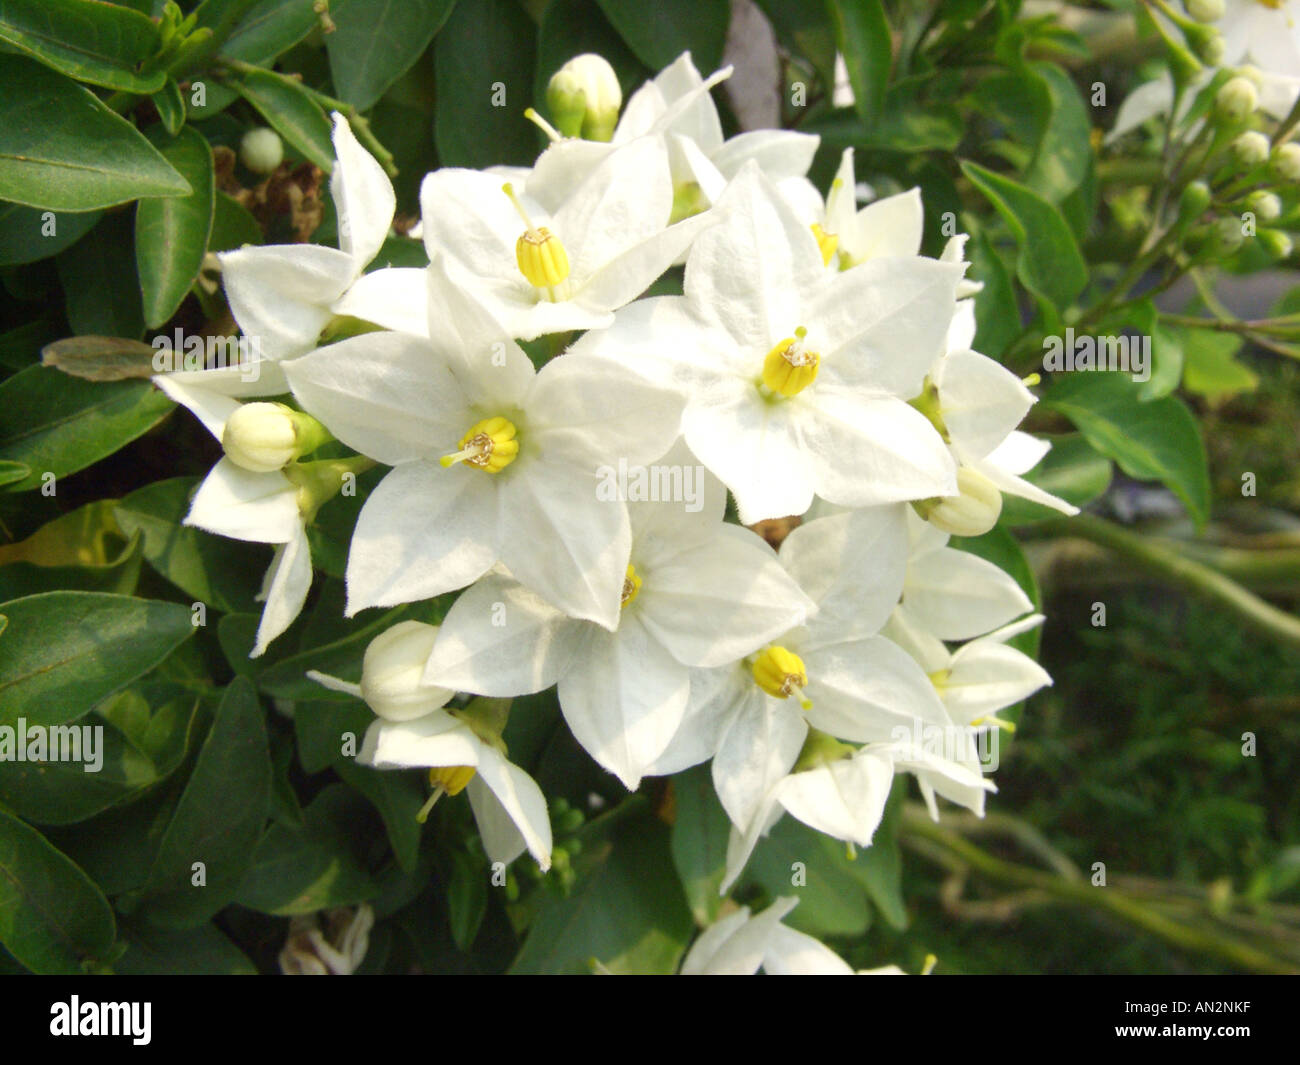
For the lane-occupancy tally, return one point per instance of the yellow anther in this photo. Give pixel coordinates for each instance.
(781, 673)
(827, 242)
(446, 780)
(1032, 381)
(540, 254)
(789, 367)
(631, 586)
(490, 445)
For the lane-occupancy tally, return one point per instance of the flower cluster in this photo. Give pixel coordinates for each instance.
(814, 365)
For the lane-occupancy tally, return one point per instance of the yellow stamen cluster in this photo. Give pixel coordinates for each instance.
(827, 242)
(789, 367)
(451, 778)
(781, 673)
(539, 252)
(490, 445)
(631, 586)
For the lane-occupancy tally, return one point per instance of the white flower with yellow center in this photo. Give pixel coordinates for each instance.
(257, 492)
(462, 748)
(696, 593)
(795, 378)
(283, 295)
(833, 674)
(548, 271)
(890, 227)
(492, 461)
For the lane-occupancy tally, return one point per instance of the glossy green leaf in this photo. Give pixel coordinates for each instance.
(1210, 366)
(59, 424)
(272, 27)
(291, 111)
(170, 105)
(83, 549)
(219, 817)
(1049, 263)
(997, 315)
(28, 234)
(202, 951)
(232, 225)
(102, 44)
(398, 798)
(467, 900)
(624, 913)
(1157, 440)
(65, 651)
(483, 63)
(658, 33)
(61, 148)
(99, 358)
(375, 42)
(863, 37)
(101, 288)
(171, 235)
(52, 917)
(1063, 152)
(223, 573)
(699, 842)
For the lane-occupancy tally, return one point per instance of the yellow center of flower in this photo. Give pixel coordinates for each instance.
(781, 673)
(490, 445)
(1276, 5)
(827, 242)
(790, 367)
(446, 780)
(540, 254)
(631, 586)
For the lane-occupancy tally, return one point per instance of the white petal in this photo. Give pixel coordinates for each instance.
(780, 153)
(713, 702)
(234, 502)
(623, 698)
(791, 953)
(890, 227)
(956, 595)
(845, 799)
(521, 798)
(758, 749)
(363, 197)
(211, 408)
(423, 531)
(436, 739)
(500, 639)
(282, 295)
(289, 579)
(393, 297)
(985, 677)
(980, 401)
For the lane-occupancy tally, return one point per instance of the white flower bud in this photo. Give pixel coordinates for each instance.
(584, 97)
(261, 150)
(1227, 235)
(391, 671)
(1286, 161)
(1266, 205)
(1276, 243)
(1237, 99)
(1205, 10)
(971, 513)
(1251, 149)
(262, 437)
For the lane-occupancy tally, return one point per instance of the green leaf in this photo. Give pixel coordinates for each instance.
(862, 35)
(272, 27)
(218, 819)
(13, 471)
(879, 868)
(467, 900)
(1157, 440)
(171, 235)
(63, 149)
(201, 951)
(658, 33)
(232, 225)
(102, 44)
(97, 358)
(574, 27)
(28, 234)
(375, 42)
(100, 285)
(317, 867)
(223, 573)
(479, 118)
(1210, 367)
(52, 917)
(82, 550)
(699, 842)
(623, 914)
(1049, 263)
(21, 347)
(997, 315)
(59, 424)
(170, 105)
(289, 110)
(1072, 471)
(398, 798)
(65, 651)
(321, 729)
(1164, 367)
(1063, 152)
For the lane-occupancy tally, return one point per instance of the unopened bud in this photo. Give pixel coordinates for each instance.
(1194, 200)
(1276, 243)
(1267, 206)
(263, 437)
(1227, 237)
(261, 150)
(1237, 100)
(1286, 161)
(972, 512)
(1205, 10)
(1251, 149)
(392, 668)
(584, 96)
